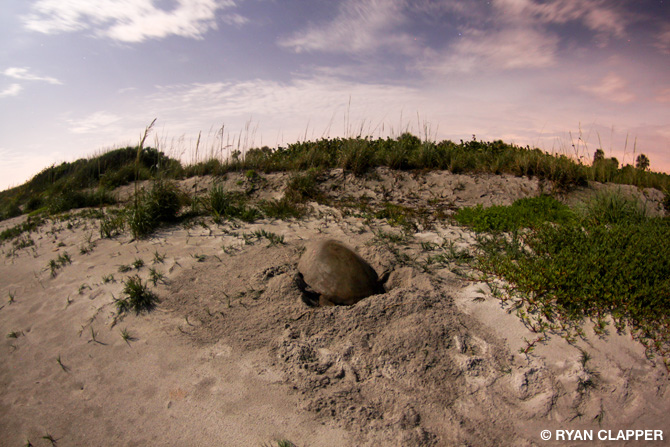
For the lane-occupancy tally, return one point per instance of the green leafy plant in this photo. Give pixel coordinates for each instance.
(523, 213)
(588, 267)
(56, 264)
(303, 187)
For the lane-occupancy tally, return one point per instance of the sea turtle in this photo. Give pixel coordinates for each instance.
(331, 273)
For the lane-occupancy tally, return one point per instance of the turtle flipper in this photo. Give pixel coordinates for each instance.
(308, 296)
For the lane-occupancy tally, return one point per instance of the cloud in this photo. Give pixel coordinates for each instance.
(663, 40)
(93, 123)
(129, 20)
(505, 49)
(361, 26)
(611, 88)
(515, 34)
(597, 15)
(663, 95)
(12, 90)
(25, 75)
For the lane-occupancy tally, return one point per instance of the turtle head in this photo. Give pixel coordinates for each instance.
(308, 296)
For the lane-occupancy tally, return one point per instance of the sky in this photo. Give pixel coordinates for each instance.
(79, 77)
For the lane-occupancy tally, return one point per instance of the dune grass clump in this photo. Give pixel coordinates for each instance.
(127, 336)
(61, 261)
(304, 187)
(137, 296)
(222, 204)
(607, 260)
(273, 238)
(612, 207)
(149, 209)
(111, 225)
(28, 226)
(282, 209)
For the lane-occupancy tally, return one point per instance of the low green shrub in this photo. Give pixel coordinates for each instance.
(523, 213)
(607, 260)
(61, 201)
(10, 209)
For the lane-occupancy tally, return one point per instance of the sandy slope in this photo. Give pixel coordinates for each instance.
(231, 356)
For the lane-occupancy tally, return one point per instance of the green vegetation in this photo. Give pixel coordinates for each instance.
(50, 438)
(14, 334)
(273, 238)
(87, 182)
(606, 260)
(303, 187)
(158, 257)
(127, 336)
(17, 230)
(137, 297)
(523, 213)
(149, 209)
(61, 261)
(283, 208)
(223, 204)
(61, 364)
(280, 443)
(61, 186)
(111, 225)
(155, 276)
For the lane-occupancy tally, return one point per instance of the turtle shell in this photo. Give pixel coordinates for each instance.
(337, 273)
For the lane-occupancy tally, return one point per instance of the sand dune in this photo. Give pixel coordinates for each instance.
(231, 355)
